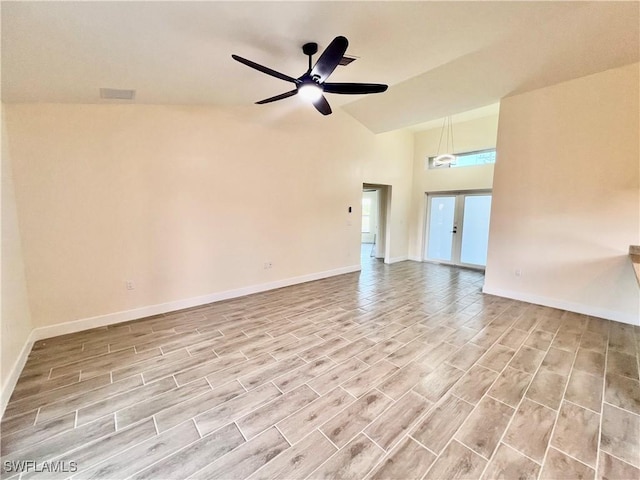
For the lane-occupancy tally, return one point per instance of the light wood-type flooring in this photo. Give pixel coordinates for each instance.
(397, 372)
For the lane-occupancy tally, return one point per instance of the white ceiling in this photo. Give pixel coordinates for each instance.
(439, 58)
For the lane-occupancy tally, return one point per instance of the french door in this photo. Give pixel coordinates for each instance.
(457, 228)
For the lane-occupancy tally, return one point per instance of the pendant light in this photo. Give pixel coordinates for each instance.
(448, 157)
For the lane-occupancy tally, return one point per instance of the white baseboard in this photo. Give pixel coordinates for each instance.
(615, 315)
(14, 373)
(415, 258)
(396, 259)
(41, 333)
(147, 311)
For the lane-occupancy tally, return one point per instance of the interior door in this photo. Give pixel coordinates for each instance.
(457, 228)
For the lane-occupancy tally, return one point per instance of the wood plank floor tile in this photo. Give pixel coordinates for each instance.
(351, 462)
(239, 369)
(623, 364)
(19, 422)
(484, 427)
(611, 468)
(585, 390)
(434, 386)
(36, 433)
(400, 365)
(68, 392)
(361, 383)
(183, 369)
(153, 405)
(530, 429)
(337, 375)
(301, 423)
(379, 351)
(355, 418)
(299, 460)
(235, 408)
(558, 465)
(497, 357)
(576, 433)
(539, 339)
(276, 410)
(527, 359)
(466, 356)
(245, 459)
(620, 435)
(441, 423)
(118, 402)
(295, 378)
(195, 456)
(594, 341)
(141, 456)
(547, 388)
(41, 383)
(408, 461)
(590, 362)
(124, 371)
(456, 462)
(391, 425)
(508, 463)
(351, 350)
(55, 409)
(95, 366)
(90, 454)
(196, 404)
(474, 384)
(623, 392)
(57, 445)
(279, 368)
(511, 386)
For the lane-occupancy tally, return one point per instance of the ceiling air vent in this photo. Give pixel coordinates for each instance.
(117, 94)
(344, 61)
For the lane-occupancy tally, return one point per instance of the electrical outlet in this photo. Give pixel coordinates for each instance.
(130, 285)
(518, 272)
(268, 265)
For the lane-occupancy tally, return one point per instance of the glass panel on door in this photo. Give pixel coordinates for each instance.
(441, 228)
(458, 228)
(475, 229)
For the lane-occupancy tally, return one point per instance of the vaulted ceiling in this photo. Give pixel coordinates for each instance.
(439, 58)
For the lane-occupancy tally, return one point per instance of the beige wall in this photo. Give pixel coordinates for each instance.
(471, 135)
(566, 202)
(189, 201)
(16, 318)
(390, 164)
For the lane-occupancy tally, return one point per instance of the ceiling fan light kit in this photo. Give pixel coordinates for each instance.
(312, 85)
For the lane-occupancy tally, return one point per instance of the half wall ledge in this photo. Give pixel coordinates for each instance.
(634, 255)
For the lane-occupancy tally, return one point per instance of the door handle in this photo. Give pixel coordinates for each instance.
(455, 230)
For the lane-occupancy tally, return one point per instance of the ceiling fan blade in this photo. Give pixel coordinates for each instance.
(354, 88)
(330, 58)
(264, 69)
(322, 106)
(278, 97)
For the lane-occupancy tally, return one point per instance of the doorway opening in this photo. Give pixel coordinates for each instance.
(457, 228)
(374, 233)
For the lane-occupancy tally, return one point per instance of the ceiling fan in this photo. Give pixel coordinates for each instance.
(313, 83)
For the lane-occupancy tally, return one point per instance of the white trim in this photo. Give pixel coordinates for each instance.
(142, 312)
(614, 315)
(14, 373)
(415, 258)
(396, 259)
